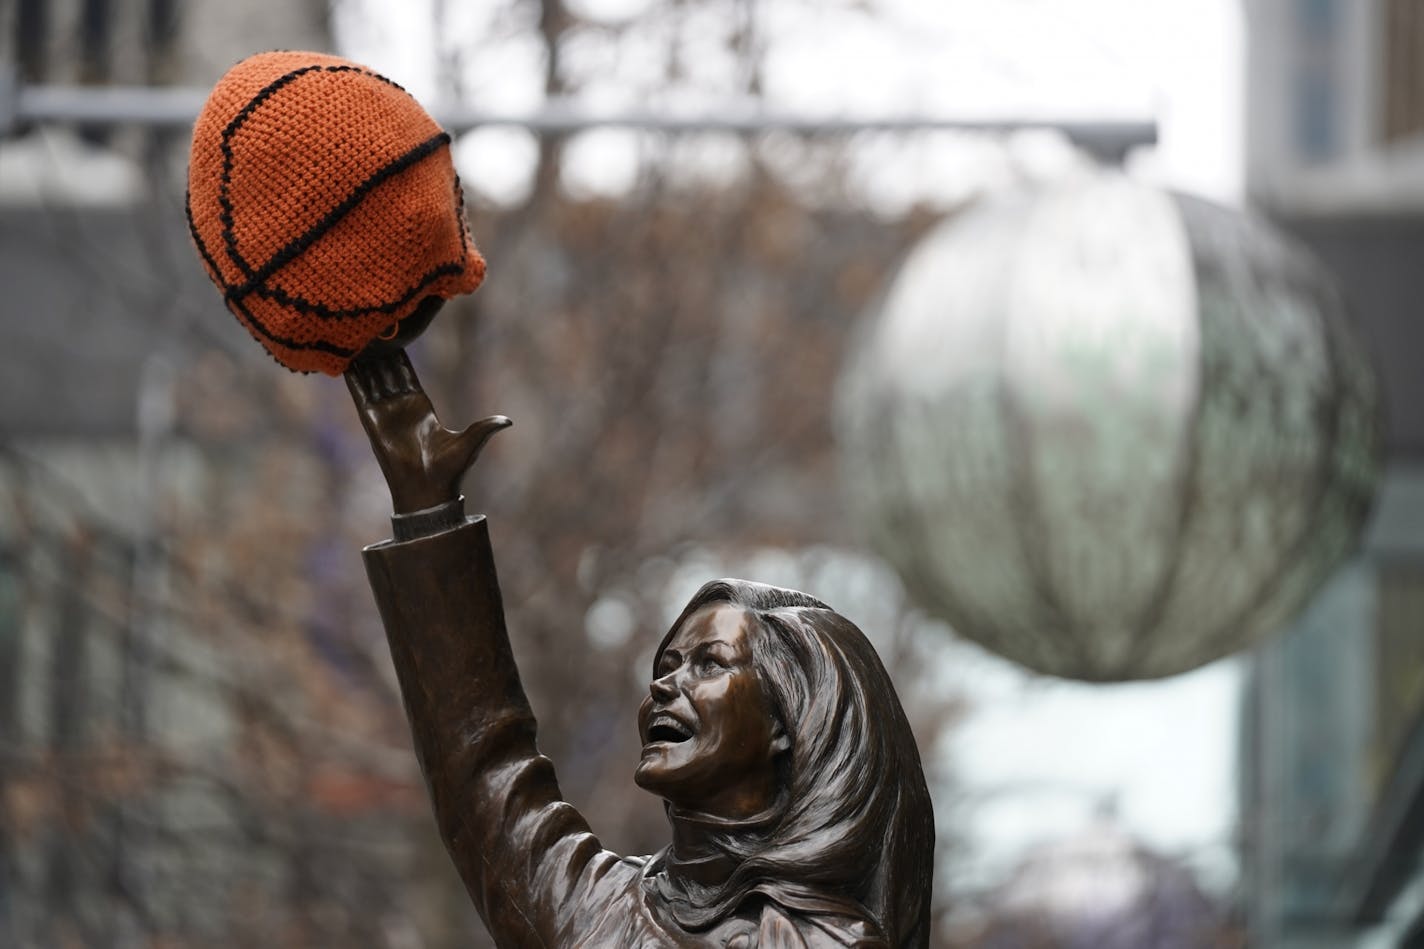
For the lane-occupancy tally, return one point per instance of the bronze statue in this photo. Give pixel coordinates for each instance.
(799, 811)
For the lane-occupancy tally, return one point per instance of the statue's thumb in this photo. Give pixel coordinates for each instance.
(472, 440)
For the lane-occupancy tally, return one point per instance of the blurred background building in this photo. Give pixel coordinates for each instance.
(1333, 736)
(200, 738)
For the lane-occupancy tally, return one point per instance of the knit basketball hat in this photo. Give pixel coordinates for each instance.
(325, 206)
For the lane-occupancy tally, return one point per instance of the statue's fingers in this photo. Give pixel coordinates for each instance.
(404, 373)
(387, 370)
(360, 384)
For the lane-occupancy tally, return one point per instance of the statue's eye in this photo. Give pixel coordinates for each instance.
(667, 664)
(709, 665)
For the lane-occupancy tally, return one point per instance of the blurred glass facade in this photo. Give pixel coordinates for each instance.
(1333, 739)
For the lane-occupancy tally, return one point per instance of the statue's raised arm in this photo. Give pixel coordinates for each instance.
(527, 858)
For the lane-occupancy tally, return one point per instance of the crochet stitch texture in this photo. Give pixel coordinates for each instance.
(324, 204)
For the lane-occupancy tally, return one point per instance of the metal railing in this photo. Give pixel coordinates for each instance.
(175, 107)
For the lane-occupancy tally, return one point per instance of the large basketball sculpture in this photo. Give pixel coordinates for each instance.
(1111, 433)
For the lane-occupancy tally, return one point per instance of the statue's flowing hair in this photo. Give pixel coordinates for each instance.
(854, 830)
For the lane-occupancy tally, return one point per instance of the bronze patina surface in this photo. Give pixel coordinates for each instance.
(798, 806)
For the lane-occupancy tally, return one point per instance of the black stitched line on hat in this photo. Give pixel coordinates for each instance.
(303, 305)
(326, 313)
(293, 249)
(254, 326)
(460, 219)
(214, 273)
(225, 144)
(225, 179)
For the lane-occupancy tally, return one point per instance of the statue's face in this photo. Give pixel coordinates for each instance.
(710, 738)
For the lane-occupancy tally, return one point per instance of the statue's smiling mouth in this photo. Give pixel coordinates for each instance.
(665, 728)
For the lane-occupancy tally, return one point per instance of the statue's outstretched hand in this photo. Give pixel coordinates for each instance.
(423, 461)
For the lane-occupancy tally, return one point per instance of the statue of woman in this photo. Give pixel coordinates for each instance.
(798, 805)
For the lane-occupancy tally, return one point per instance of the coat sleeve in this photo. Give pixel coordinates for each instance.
(527, 858)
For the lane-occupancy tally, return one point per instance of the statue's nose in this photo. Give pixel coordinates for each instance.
(663, 689)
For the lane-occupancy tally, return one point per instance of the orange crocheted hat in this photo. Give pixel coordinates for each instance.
(325, 206)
